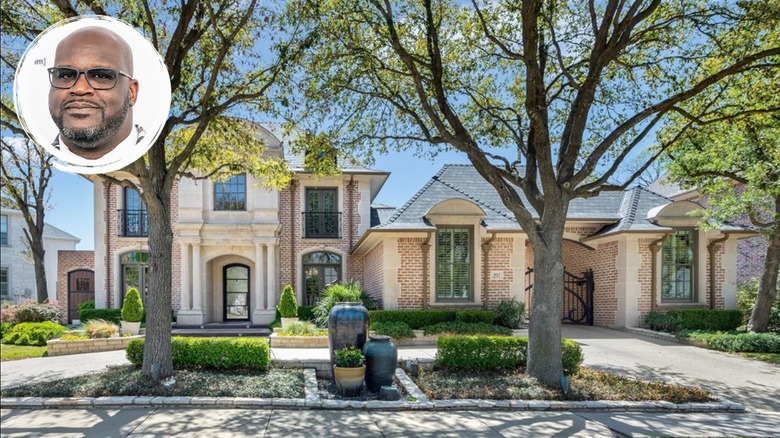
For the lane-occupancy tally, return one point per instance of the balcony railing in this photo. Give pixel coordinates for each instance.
(132, 223)
(319, 225)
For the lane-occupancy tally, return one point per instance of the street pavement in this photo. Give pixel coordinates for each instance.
(752, 383)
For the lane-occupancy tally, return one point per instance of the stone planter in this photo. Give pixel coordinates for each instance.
(58, 347)
(131, 327)
(349, 380)
(298, 341)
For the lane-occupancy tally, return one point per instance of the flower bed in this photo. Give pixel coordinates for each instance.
(58, 347)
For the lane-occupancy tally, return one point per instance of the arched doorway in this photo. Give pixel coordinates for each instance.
(236, 292)
(81, 288)
(320, 270)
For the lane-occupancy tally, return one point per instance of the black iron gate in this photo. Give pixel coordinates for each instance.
(577, 296)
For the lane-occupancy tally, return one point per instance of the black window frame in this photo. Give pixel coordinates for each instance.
(4, 220)
(248, 304)
(470, 270)
(309, 297)
(5, 280)
(234, 191)
(321, 223)
(134, 216)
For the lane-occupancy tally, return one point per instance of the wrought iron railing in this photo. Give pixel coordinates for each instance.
(577, 296)
(319, 225)
(132, 223)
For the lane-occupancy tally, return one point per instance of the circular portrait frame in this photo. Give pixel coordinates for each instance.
(31, 94)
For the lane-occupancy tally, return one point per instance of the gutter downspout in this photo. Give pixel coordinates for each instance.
(426, 247)
(108, 244)
(486, 247)
(654, 248)
(711, 248)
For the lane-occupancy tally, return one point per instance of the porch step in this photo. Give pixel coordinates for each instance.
(222, 329)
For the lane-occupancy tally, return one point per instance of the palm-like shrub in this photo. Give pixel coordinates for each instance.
(335, 293)
(132, 308)
(288, 305)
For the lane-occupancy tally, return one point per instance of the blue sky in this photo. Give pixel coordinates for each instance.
(73, 209)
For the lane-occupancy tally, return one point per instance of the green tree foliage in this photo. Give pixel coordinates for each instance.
(546, 98)
(288, 306)
(222, 57)
(731, 151)
(132, 307)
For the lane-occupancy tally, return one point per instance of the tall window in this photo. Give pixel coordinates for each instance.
(321, 218)
(236, 292)
(4, 282)
(677, 267)
(134, 218)
(231, 194)
(4, 230)
(453, 264)
(135, 272)
(320, 270)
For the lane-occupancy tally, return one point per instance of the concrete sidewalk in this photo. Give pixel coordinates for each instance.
(163, 422)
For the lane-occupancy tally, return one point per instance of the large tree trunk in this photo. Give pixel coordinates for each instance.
(767, 288)
(544, 331)
(158, 358)
(38, 252)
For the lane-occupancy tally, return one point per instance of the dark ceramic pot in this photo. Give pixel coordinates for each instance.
(347, 327)
(381, 361)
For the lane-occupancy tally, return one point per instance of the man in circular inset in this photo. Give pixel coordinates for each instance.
(91, 96)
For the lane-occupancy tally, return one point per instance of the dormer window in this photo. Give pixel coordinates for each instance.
(230, 195)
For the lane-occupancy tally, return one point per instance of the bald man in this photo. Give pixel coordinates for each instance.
(92, 92)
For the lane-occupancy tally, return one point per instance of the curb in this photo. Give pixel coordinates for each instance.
(312, 400)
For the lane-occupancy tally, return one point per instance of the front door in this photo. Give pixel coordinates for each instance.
(81, 287)
(236, 287)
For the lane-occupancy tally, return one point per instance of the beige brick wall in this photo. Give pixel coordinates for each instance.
(604, 265)
(69, 261)
(410, 273)
(501, 251)
(373, 263)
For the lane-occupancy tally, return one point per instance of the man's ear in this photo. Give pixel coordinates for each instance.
(133, 91)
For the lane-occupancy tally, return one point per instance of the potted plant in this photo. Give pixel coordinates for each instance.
(349, 371)
(288, 307)
(132, 312)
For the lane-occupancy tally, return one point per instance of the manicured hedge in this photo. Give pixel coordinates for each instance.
(739, 342)
(33, 333)
(484, 316)
(111, 315)
(466, 328)
(306, 313)
(695, 319)
(394, 329)
(496, 352)
(211, 353)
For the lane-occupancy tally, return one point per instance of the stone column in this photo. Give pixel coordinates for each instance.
(197, 281)
(259, 299)
(186, 276)
(271, 275)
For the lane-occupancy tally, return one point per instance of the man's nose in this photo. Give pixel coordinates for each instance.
(82, 85)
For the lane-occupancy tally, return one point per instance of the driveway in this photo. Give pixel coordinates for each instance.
(753, 383)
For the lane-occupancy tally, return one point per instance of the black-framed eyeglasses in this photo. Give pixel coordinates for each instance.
(97, 78)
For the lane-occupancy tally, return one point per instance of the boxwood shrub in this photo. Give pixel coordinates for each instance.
(394, 329)
(466, 328)
(211, 353)
(415, 319)
(111, 315)
(306, 313)
(485, 316)
(497, 352)
(33, 333)
(695, 319)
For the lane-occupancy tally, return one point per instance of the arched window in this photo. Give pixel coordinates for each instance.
(135, 273)
(320, 270)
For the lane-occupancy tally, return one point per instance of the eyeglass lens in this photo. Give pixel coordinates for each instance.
(98, 78)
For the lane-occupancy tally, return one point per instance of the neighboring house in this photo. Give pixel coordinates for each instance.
(17, 271)
(751, 252)
(453, 245)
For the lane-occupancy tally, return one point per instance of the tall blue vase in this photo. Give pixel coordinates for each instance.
(347, 327)
(381, 361)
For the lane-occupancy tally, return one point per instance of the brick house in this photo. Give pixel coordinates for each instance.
(452, 245)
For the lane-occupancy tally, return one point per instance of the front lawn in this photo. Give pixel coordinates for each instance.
(587, 384)
(128, 381)
(765, 357)
(16, 352)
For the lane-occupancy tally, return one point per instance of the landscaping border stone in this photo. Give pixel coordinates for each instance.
(58, 347)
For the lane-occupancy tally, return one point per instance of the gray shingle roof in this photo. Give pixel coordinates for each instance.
(626, 210)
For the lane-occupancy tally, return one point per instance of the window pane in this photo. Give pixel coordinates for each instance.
(4, 230)
(231, 194)
(453, 264)
(4, 281)
(677, 263)
(237, 272)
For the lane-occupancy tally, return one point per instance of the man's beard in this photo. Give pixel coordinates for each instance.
(91, 137)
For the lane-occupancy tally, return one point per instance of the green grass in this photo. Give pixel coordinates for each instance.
(766, 357)
(128, 381)
(587, 384)
(16, 352)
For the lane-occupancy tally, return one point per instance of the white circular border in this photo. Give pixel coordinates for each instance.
(31, 89)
